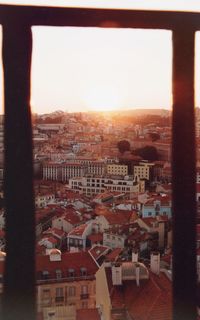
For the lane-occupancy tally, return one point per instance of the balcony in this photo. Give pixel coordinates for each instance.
(84, 296)
(60, 299)
(46, 302)
(65, 279)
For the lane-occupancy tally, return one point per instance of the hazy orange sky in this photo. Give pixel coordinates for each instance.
(80, 69)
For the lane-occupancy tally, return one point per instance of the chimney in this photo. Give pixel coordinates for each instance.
(155, 262)
(137, 274)
(134, 256)
(117, 274)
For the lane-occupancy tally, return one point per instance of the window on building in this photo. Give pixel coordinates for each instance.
(58, 274)
(59, 292)
(84, 304)
(84, 289)
(46, 293)
(45, 274)
(71, 272)
(72, 291)
(83, 271)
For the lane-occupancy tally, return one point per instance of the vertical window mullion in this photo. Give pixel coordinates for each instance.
(19, 281)
(184, 177)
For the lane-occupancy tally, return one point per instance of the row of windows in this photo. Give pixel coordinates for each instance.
(58, 273)
(108, 236)
(70, 291)
(75, 241)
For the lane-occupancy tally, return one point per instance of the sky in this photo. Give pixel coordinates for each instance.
(93, 69)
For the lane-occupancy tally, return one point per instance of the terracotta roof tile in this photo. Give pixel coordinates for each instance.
(98, 251)
(78, 231)
(88, 314)
(112, 256)
(69, 260)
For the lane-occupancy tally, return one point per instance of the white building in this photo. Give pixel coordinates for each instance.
(92, 185)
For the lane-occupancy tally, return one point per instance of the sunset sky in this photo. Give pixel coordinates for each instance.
(82, 69)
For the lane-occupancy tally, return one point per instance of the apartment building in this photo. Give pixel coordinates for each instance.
(117, 169)
(67, 170)
(66, 279)
(92, 185)
(77, 237)
(143, 170)
(52, 171)
(157, 205)
(71, 170)
(43, 199)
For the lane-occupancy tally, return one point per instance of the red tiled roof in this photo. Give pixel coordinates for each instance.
(118, 218)
(152, 300)
(98, 251)
(78, 231)
(72, 218)
(164, 200)
(55, 232)
(52, 240)
(69, 260)
(102, 210)
(40, 249)
(149, 221)
(112, 256)
(87, 314)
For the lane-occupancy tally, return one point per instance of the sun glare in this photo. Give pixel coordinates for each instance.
(102, 99)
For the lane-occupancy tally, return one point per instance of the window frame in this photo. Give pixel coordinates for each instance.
(17, 48)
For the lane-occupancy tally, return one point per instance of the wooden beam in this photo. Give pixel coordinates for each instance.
(19, 279)
(108, 18)
(184, 177)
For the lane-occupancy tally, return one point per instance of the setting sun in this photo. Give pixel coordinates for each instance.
(102, 99)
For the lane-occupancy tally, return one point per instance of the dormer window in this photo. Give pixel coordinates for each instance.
(71, 272)
(83, 271)
(58, 274)
(45, 274)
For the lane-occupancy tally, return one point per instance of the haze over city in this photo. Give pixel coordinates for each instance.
(93, 69)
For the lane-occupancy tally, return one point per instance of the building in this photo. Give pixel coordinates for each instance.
(92, 185)
(129, 290)
(117, 169)
(72, 169)
(66, 279)
(52, 171)
(157, 205)
(77, 237)
(42, 200)
(143, 170)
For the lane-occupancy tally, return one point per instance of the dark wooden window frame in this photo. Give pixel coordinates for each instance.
(19, 281)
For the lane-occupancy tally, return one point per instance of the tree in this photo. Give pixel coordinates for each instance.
(149, 153)
(123, 146)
